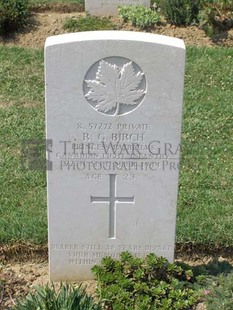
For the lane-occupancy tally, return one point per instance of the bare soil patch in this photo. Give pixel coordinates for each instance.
(45, 23)
(20, 279)
(23, 267)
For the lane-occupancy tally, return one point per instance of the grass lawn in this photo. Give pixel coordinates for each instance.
(23, 192)
(205, 209)
(205, 213)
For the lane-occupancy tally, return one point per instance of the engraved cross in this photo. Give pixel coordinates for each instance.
(112, 200)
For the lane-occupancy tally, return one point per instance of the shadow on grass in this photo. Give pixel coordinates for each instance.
(190, 251)
(12, 36)
(220, 38)
(212, 268)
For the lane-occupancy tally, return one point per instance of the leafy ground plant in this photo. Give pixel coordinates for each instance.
(67, 298)
(139, 16)
(144, 283)
(13, 15)
(214, 18)
(181, 12)
(88, 23)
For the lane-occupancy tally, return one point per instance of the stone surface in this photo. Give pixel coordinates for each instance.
(110, 7)
(113, 108)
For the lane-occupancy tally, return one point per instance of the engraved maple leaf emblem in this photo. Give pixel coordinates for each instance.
(114, 86)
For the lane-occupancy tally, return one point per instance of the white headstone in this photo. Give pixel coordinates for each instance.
(114, 106)
(110, 7)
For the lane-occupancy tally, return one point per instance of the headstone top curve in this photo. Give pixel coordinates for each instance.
(114, 35)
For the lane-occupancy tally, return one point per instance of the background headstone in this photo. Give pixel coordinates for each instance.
(113, 109)
(110, 7)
